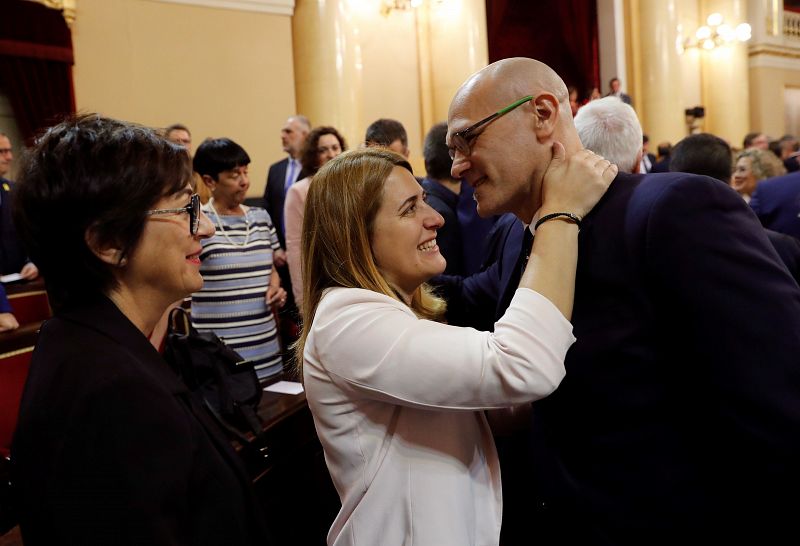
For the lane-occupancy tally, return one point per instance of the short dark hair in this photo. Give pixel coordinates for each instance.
(705, 154)
(776, 148)
(176, 127)
(216, 155)
(749, 138)
(308, 156)
(664, 149)
(790, 143)
(91, 172)
(437, 157)
(385, 131)
(612, 80)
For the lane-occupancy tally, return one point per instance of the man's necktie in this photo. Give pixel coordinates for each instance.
(524, 253)
(290, 175)
(516, 274)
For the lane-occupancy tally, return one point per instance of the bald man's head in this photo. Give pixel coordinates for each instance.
(509, 79)
(507, 157)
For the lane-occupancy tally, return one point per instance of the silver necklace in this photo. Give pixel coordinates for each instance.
(222, 227)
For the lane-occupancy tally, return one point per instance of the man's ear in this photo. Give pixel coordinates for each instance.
(108, 253)
(209, 182)
(545, 106)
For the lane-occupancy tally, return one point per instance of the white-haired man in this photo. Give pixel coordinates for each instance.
(609, 127)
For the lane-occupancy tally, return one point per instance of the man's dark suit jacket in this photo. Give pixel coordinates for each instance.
(788, 248)
(623, 97)
(12, 255)
(776, 202)
(274, 196)
(111, 448)
(448, 237)
(679, 414)
(661, 166)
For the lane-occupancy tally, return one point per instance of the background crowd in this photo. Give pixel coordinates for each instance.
(714, 246)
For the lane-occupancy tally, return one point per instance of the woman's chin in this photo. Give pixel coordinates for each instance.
(438, 270)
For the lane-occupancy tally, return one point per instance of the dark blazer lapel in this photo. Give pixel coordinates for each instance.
(509, 276)
(104, 317)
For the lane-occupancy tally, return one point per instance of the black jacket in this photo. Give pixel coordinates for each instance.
(677, 420)
(111, 448)
(12, 255)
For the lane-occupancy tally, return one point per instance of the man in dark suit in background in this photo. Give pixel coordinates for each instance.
(648, 159)
(677, 420)
(776, 202)
(442, 193)
(13, 258)
(285, 172)
(280, 177)
(709, 155)
(615, 90)
(662, 163)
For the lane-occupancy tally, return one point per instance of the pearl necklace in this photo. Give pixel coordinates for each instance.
(222, 227)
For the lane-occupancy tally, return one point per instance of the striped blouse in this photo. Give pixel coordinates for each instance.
(236, 264)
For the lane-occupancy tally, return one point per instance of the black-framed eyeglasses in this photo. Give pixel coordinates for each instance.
(192, 209)
(462, 140)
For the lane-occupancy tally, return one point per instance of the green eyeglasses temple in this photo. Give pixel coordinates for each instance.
(510, 107)
(462, 135)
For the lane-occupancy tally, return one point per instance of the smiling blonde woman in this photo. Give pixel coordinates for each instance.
(397, 397)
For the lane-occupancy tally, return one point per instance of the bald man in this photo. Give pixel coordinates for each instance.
(679, 417)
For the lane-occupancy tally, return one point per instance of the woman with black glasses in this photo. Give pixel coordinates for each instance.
(110, 447)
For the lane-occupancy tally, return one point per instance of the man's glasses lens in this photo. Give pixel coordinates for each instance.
(459, 144)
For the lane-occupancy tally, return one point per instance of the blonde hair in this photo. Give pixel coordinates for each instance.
(763, 163)
(343, 200)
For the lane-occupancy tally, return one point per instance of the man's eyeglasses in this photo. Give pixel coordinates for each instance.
(462, 140)
(192, 209)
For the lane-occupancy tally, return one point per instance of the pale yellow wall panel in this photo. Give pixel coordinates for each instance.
(354, 65)
(392, 84)
(767, 112)
(221, 72)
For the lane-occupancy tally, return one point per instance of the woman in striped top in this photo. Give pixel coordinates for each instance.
(239, 287)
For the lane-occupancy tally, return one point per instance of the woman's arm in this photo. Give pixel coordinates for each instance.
(375, 346)
(574, 185)
(293, 221)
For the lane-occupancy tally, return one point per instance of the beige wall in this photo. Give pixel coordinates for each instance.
(221, 72)
(767, 100)
(354, 65)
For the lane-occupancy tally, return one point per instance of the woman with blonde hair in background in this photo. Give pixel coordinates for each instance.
(397, 397)
(752, 166)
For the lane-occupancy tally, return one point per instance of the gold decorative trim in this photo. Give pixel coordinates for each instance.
(777, 51)
(68, 8)
(277, 7)
(27, 294)
(9, 354)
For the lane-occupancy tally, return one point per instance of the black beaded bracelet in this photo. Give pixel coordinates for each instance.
(568, 216)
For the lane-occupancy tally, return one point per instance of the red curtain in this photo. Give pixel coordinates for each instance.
(36, 65)
(560, 33)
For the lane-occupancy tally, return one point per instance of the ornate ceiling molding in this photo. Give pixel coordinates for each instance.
(774, 56)
(68, 8)
(278, 7)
